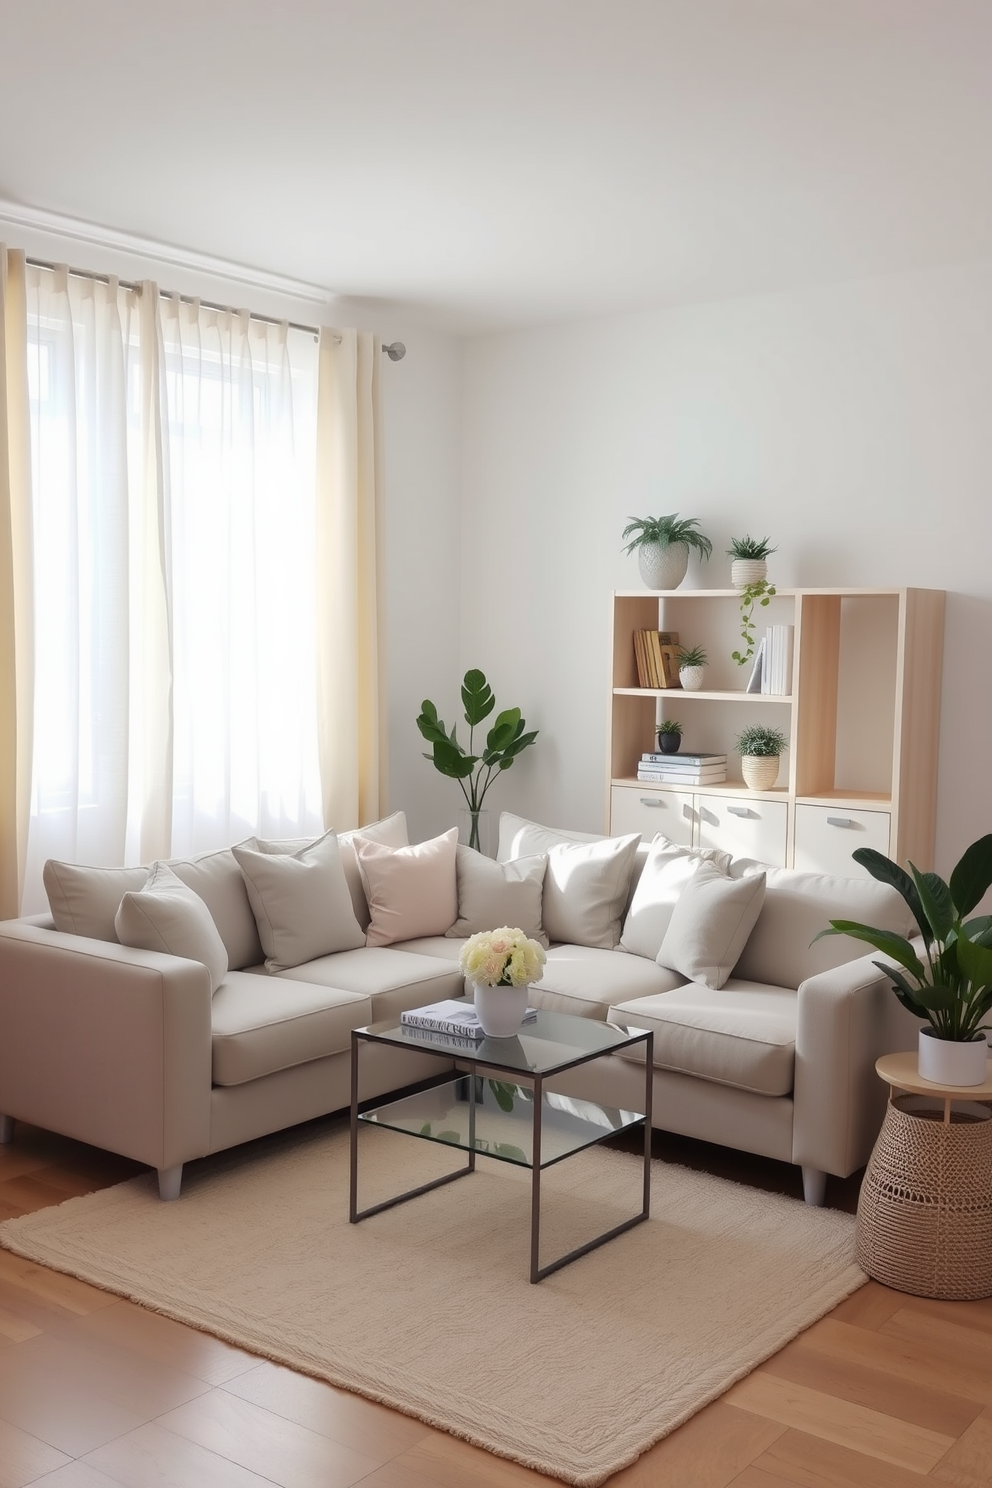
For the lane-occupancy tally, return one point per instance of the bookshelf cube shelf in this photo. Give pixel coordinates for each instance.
(861, 715)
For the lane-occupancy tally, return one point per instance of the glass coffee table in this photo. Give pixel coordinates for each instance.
(495, 1103)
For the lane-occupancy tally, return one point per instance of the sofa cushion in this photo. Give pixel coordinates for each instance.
(411, 891)
(84, 901)
(798, 906)
(492, 894)
(165, 915)
(585, 981)
(667, 869)
(218, 880)
(392, 979)
(390, 830)
(300, 901)
(261, 1024)
(742, 1034)
(710, 924)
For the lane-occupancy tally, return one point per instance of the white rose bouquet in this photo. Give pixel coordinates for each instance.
(502, 958)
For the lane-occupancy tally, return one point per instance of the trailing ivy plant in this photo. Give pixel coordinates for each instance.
(758, 593)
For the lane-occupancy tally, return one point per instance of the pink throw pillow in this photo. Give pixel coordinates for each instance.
(412, 891)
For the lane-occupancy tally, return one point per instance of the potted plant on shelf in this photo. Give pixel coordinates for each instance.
(663, 545)
(759, 748)
(949, 986)
(501, 965)
(669, 736)
(475, 772)
(758, 593)
(750, 555)
(692, 660)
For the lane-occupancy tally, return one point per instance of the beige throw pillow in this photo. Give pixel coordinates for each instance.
(411, 891)
(493, 894)
(710, 925)
(167, 916)
(585, 890)
(300, 901)
(390, 830)
(85, 900)
(665, 874)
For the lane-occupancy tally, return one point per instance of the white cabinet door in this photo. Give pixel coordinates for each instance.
(826, 837)
(650, 812)
(747, 828)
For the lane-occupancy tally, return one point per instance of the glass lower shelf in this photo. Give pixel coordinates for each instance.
(503, 1120)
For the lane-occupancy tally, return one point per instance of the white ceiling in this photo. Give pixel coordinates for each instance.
(504, 162)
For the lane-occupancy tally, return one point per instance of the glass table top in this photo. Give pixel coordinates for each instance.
(549, 1044)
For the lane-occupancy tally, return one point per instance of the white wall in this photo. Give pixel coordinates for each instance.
(851, 424)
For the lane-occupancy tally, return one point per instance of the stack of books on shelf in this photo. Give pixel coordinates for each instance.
(450, 1019)
(682, 769)
(772, 670)
(656, 653)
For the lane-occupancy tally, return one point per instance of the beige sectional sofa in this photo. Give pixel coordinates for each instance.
(762, 1042)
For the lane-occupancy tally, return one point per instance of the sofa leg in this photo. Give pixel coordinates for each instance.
(814, 1186)
(170, 1181)
(6, 1128)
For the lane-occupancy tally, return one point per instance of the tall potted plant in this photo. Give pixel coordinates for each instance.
(663, 545)
(949, 986)
(475, 773)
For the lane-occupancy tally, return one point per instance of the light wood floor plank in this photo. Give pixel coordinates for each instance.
(23, 1458)
(968, 1464)
(976, 1314)
(870, 1306)
(954, 1341)
(164, 1341)
(152, 1457)
(709, 1451)
(16, 1329)
(810, 1462)
(79, 1475)
(899, 1360)
(450, 1463)
(75, 1296)
(863, 1430)
(56, 1407)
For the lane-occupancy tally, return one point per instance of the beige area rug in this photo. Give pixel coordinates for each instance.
(427, 1307)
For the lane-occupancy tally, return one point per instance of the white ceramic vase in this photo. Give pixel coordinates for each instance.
(662, 568)
(501, 1009)
(691, 678)
(760, 771)
(744, 571)
(947, 1063)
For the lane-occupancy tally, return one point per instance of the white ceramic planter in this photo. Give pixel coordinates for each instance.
(692, 678)
(760, 771)
(745, 571)
(500, 1009)
(663, 568)
(948, 1063)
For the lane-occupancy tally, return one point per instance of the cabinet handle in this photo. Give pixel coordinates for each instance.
(840, 821)
(740, 811)
(652, 801)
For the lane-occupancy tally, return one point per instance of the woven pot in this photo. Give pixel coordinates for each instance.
(760, 771)
(663, 568)
(744, 571)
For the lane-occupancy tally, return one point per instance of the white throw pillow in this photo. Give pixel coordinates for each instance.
(493, 894)
(391, 830)
(585, 890)
(665, 874)
(85, 900)
(301, 902)
(167, 916)
(710, 925)
(411, 891)
(520, 838)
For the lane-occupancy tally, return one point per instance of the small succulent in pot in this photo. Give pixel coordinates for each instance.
(692, 660)
(754, 548)
(749, 566)
(759, 747)
(662, 545)
(669, 736)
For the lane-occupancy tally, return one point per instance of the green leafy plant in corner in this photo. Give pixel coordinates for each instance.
(949, 986)
(692, 656)
(475, 773)
(759, 739)
(753, 548)
(758, 593)
(666, 532)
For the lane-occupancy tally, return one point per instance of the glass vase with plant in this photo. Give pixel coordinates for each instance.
(475, 773)
(662, 545)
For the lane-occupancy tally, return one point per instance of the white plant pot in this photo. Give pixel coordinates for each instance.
(501, 1009)
(760, 771)
(744, 571)
(947, 1063)
(663, 568)
(692, 677)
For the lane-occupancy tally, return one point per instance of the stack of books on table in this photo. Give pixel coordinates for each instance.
(683, 769)
(454, 1019)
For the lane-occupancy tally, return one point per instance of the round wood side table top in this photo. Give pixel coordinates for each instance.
(900, 1072)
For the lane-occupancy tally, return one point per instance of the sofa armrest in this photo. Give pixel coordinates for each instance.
(105, 1044)
(846, 1019)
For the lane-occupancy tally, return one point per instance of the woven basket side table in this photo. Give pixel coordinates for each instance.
(925, 1211)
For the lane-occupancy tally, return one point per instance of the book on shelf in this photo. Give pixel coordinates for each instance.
(755, 683)
(641, 659)
(676, 761)
(776, 673)
(655, 775)
(450, 1017)
(649, 660)
(670, 663)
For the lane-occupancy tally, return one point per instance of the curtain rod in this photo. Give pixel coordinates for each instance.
(395, 351)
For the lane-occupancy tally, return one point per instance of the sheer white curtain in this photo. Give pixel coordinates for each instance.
(174, 495)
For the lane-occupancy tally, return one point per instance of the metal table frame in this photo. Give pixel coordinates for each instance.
(470, 1068)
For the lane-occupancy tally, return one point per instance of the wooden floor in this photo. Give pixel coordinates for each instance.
(96, 1392)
